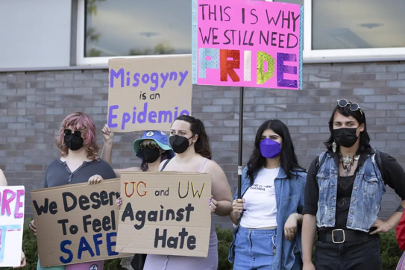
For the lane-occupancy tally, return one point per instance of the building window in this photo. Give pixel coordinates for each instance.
(299, 2)
(142, 27)
(334, 30)
(357, 24)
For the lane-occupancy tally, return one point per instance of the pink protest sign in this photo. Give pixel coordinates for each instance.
(247, 43)
(11, 224)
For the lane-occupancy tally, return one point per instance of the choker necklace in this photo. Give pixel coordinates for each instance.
(347, 162)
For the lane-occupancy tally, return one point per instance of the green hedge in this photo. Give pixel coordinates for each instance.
(389, 251)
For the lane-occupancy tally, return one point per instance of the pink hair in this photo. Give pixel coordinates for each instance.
(79, 120)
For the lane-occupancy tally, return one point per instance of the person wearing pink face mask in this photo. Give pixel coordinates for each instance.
(267, 218)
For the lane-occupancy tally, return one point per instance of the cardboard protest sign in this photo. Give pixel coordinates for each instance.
(247, 43)
(11, 224)
(148, 93)
(165, 213)
(76, 223)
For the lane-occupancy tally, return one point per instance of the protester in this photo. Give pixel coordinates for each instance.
(3, 182)
(189, 141)
(152, 148)
(268, 217)
(343, 195)
(78, 163)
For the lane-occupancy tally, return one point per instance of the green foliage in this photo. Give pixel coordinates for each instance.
(224, 241)
(30, 248)
(113, 264)
(390, 252)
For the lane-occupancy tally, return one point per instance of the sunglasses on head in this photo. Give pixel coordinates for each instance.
(76, 132)
(353, 106)
(150, 144)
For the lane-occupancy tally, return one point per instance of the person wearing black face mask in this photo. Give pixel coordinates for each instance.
(73, 139)
(179, 143)
(150, 152)
(343, 196)
(152, 149)
(189, 140)
(78, 163)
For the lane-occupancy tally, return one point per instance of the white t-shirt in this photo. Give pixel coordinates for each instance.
(260, 208)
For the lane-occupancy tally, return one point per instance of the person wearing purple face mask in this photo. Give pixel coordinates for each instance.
(267, 219)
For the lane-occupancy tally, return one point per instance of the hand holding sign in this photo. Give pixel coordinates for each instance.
(32, 227)
(22, 261)
(76, 223)
(108, 135)
(213, 204)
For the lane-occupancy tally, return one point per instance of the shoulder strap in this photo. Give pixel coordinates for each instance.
(165, 164)
(202, 165)
(379, 163)
(320, 162)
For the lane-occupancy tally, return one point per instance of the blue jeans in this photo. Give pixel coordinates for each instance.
(254, 249)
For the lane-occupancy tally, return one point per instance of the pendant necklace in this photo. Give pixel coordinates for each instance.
(347, 162)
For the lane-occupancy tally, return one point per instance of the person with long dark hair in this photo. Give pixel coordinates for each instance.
(343, 196)
(267, 218)
(189, 141)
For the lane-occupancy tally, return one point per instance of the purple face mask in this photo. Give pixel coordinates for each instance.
(269, 148)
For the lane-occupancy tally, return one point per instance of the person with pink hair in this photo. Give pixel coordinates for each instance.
(78, 163)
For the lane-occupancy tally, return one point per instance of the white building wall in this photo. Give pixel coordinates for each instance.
(34, 33)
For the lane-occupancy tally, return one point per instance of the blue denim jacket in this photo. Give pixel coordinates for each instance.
(365, 202)
(289, 199)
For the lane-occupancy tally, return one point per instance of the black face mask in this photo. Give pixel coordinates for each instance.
(345, 136)
(179, 143)
(73, 142)
(150, 155)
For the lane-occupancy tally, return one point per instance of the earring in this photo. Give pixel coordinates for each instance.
(334, 147)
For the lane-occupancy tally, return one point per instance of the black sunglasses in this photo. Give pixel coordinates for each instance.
(150, 144)
(76, 132)
(353, 106)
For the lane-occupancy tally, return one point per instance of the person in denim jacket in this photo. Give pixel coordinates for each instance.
(343, 196)
(267, 218)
